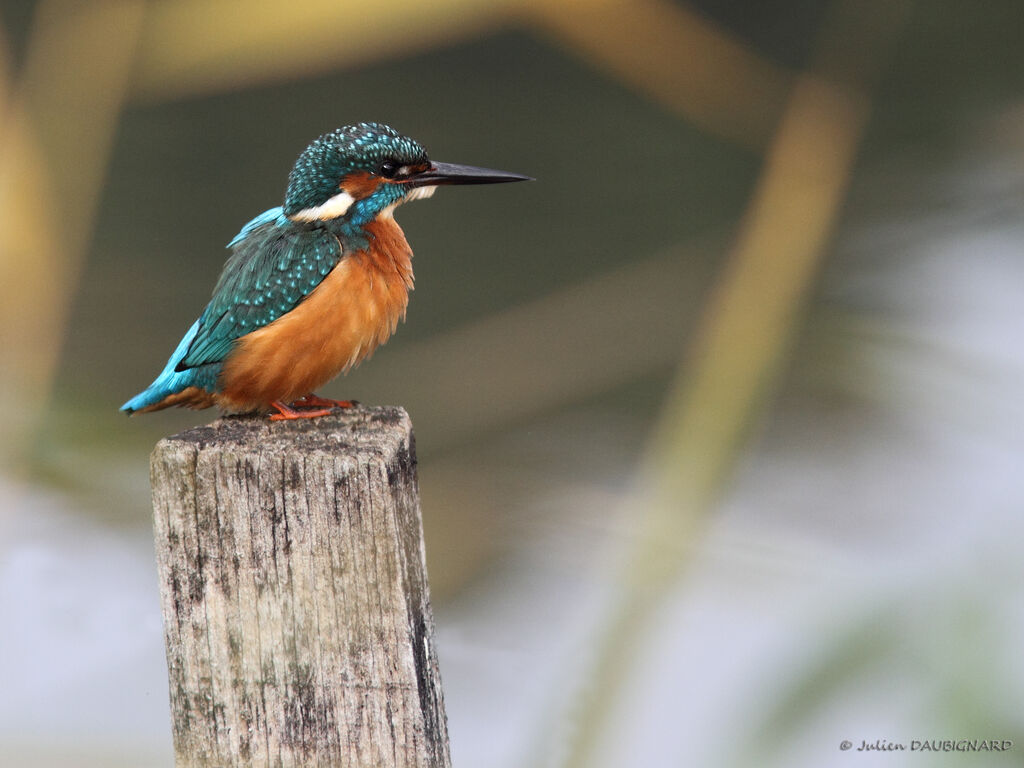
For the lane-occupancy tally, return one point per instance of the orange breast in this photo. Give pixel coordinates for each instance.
(352, 312)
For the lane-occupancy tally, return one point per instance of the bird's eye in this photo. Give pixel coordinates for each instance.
(388, 169)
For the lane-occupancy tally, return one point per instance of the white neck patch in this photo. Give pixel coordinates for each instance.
(332, 209)
(420, 193)
(417, 193)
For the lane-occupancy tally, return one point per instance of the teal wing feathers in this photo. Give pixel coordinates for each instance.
(275, 263)
(267, 217)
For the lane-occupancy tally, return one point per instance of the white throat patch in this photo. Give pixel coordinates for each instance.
(332, 209)
(418, 193)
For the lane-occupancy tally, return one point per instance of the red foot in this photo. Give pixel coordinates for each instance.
(286, 413)
(311, 406)
(323, 402)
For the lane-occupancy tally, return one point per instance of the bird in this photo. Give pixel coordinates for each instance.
(311, 288)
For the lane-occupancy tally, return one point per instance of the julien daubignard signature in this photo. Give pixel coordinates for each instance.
(931, 745)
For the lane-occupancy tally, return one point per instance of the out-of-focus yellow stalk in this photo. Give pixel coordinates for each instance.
(743, 338)
(198, 46)
(58, 125)
(678, 58)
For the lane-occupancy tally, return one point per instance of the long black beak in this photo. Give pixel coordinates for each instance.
(449, 173)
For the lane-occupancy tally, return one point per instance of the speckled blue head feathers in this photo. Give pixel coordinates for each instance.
(370, 148)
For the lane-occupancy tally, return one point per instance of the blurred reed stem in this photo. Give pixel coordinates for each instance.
(58, 128)
(676, 57)
(192, 47)
(742, 340)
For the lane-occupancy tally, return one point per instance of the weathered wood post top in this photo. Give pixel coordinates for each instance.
(294, 593)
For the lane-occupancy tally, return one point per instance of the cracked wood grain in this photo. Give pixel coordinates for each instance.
(294, 594)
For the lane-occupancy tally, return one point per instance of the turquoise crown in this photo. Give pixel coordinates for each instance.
(362, 147)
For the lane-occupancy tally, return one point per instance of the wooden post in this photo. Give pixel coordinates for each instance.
(294, 593)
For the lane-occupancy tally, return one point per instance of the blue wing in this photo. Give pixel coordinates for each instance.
(170, 381)
(275, 263)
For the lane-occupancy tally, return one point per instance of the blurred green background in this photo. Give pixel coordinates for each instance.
(719, 421)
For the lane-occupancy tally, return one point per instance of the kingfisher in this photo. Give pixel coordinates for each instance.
(313, 287)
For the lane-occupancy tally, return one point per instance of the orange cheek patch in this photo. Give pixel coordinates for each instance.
(360, 185)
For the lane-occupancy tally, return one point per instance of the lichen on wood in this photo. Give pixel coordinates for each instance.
(294, 594)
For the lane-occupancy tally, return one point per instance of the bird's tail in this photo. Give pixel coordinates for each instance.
(160, 393)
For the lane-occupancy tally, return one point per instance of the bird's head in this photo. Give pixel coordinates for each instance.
(363, 171)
